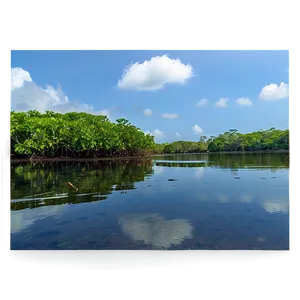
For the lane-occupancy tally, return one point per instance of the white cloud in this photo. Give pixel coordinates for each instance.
(155, 230)
(244, 101)
(156, 133)
(169, 116)
(17, 77)
(153, 74)
(197, 129)
(202, 102)
(274, 92)
(177, 134)
(222, 102)
(27, 95)
(147, 112)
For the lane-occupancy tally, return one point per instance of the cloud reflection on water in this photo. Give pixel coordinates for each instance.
(155, 230)
(22, 219)
(158, 170)
(246, 198)
(223, 198)
(199, 173)
(276, 205)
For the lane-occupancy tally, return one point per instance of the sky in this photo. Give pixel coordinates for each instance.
(173, 95)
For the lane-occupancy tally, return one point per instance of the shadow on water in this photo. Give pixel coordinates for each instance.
(170, 202)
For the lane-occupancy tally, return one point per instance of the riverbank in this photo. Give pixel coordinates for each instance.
(89, 159)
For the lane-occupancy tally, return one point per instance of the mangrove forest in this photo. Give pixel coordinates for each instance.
(83, 135)
(232, 140)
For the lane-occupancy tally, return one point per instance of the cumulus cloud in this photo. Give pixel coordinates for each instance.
(197, 129)
(147, 112)
(222, 102)
(169, 116)
(202, 102)
(153, 74)
(274, 92)
(156, 133)
(244, 101)
(27, 95)
(177, 134)
(17, 77)
(155, 230)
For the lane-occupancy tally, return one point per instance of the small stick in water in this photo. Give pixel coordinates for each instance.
(72, 186)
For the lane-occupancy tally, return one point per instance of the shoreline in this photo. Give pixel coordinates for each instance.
(92, 159)
(58, 159)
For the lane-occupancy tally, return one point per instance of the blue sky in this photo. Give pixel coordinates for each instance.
(167, 83)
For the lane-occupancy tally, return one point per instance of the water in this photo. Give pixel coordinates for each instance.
(203, 201)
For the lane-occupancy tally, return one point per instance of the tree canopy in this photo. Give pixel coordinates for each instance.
(232, 140)
(85, 135)
(75, 135)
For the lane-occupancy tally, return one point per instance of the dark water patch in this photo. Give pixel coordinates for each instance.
(48, 233)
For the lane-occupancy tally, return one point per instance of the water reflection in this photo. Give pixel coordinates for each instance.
(70, 198)
(274, 206)
(39, 184)
(158, 170)
(231, 160)
(155, 230)
(234, 172)
(223, 198)
(150, 206)
(21, 220)
(180, 164)
(246, 198)
(199, 173)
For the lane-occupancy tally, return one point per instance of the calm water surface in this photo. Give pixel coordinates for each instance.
(203, 201)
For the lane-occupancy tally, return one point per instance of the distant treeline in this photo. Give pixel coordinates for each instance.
(232, 140)
(82, 135)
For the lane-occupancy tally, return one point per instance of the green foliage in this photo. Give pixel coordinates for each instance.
(271, 139)
(84, 135)
(231, 140)
(159, 148)
(185, 147)
(75, 135)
